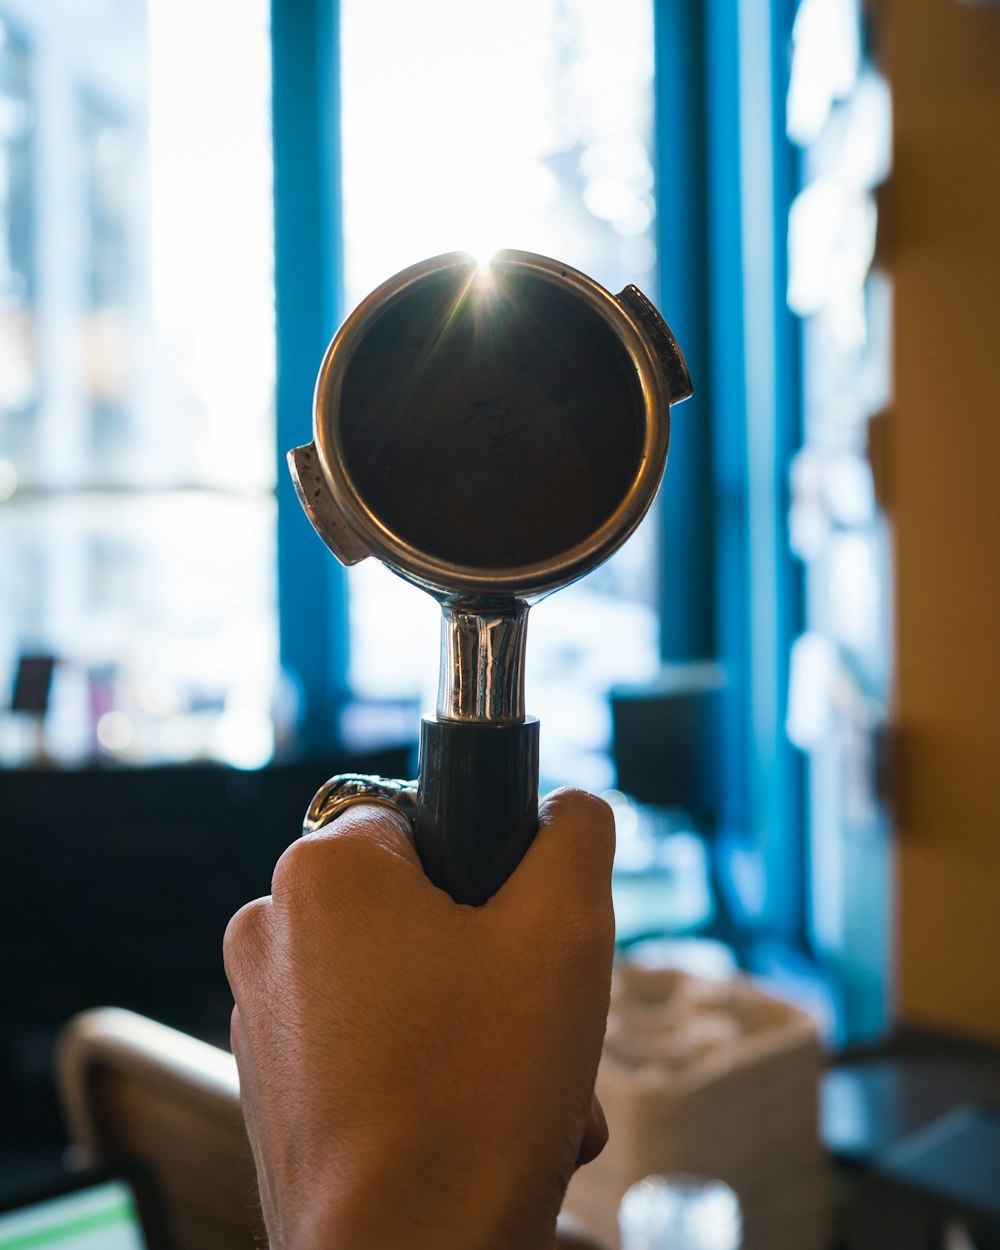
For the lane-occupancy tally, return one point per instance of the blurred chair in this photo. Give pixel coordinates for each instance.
(134, 1089)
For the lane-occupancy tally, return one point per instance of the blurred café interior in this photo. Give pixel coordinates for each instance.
(783, 682)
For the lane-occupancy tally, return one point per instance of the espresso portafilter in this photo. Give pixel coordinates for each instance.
(491, 433)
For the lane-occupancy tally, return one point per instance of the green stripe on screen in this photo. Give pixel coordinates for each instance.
(118, 1214)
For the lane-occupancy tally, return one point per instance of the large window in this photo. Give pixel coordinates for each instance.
(169, 282)
(136, 387)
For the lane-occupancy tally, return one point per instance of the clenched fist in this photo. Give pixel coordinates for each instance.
(416, 1072)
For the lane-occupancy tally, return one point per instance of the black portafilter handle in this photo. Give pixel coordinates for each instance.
(477, 803)
(477, 795)
(474, 807)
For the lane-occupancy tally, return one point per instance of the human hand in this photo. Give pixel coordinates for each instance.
(415, 1072)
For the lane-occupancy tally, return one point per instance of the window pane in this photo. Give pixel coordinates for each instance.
(136, 401)
(18, 329)
(840, 114)
(477, 127)
(135, 596)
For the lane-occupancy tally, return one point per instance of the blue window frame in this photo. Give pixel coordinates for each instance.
(311, 594)
(727, 176)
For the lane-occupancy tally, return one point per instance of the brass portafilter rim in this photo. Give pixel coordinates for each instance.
(363, 533)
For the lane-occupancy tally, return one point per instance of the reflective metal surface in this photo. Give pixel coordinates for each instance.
(378, 491)
(482, 663)
(352, 522)
(347, 789)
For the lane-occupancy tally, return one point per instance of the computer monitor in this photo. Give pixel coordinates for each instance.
(91, 1211)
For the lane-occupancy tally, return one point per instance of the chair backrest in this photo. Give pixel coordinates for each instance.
(134, 1089)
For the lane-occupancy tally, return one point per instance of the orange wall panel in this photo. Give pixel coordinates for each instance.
(943, 63)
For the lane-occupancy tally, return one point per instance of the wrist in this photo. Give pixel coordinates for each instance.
(388, 1208)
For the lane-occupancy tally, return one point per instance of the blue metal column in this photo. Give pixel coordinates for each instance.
(770, 359)
(724, 279)
(687, 629)
(306, 118)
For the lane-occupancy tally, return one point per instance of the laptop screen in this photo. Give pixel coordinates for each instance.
(103, 1216)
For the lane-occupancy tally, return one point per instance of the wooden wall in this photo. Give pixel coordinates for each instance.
(943, 443)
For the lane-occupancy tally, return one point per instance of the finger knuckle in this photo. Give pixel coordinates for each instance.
(298, 866)
(246, 935)
(316, 871)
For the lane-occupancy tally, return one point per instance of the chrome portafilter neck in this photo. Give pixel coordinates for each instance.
(483, 651)
(490, 434)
